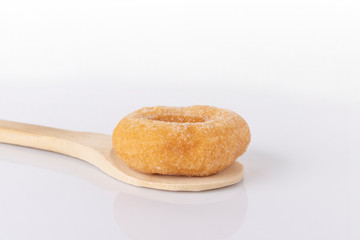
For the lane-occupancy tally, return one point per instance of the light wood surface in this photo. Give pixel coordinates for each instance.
(97, 150)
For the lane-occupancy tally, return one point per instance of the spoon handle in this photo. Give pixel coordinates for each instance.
(72, 143)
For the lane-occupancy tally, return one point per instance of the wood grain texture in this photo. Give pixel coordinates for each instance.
(97, 150)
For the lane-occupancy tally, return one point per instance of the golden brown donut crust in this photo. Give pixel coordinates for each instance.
(191, 141)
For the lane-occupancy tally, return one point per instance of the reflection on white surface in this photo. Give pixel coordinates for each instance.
(149, 214)
(143, 213)
(60, 164)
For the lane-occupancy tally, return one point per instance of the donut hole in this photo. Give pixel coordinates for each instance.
(178, 118)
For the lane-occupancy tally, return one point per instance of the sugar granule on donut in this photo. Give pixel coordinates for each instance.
(190, 141)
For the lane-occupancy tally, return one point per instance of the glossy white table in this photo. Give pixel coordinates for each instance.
(300, 176)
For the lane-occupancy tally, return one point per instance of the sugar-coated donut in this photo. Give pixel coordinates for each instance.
(191, 141)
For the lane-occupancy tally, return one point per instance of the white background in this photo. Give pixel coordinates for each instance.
(290, 68)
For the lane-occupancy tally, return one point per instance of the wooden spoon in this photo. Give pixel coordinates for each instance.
(97, 150)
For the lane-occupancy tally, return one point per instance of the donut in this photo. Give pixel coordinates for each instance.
(184, 141)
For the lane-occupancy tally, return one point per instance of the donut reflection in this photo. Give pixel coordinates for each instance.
(153, 214)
